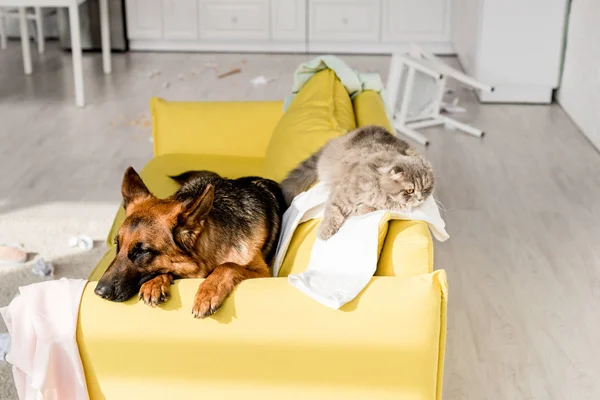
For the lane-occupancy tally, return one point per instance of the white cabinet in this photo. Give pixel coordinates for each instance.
(234, 19)
(180, 19)
(288, 20)
(344, 20)
(428, 22)
(144, 19)
(329, 26)
(514, 45)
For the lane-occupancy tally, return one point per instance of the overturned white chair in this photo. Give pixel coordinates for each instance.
(422, 62)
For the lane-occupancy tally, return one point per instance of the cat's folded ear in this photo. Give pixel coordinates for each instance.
(395, 173)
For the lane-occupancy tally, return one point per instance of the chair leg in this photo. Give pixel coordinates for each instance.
(39, 22)
(2, 31)
(105, 32)
(76, 53)
(25, 41)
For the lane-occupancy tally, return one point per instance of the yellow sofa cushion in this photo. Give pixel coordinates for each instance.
(369, 110)
(321, 111)
(231, 128)
(269, 341)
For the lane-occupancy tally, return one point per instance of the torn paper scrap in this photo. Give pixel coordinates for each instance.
(84, 242)
(41, 268)
(262, 80)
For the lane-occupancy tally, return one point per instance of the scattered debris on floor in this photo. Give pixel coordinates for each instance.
(452, 108)
(84, 242)
(154, 73)
(141, 121)
(229, 73)
(181, 77)
(119, 121)
(262, 80)
(4, 345)
(244, 61)
(12, 254)
(166, 85)
(42, 268)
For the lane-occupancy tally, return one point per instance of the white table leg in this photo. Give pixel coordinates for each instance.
(2, 30)
(105, 32)
(76, 52)
(39, 22)
(25, 41)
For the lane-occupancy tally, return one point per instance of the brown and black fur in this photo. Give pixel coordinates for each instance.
(224, 230)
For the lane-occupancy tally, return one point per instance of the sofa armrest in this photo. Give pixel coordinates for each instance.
(407, 250)
(240, 129)
(269, 340)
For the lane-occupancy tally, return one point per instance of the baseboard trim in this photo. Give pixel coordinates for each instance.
(441, 48)
(530, 94)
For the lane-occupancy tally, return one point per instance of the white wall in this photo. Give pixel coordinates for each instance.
(579, 92)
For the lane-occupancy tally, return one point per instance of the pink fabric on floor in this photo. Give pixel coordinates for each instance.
(42, 322)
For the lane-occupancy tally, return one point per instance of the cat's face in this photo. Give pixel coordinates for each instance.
(408, 185)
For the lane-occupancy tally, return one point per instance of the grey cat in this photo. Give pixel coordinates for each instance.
(367, 169)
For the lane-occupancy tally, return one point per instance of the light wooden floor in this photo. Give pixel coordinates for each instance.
(523, 204)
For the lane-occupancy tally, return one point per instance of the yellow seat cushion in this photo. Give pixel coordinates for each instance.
(322, 110)
(156, 174)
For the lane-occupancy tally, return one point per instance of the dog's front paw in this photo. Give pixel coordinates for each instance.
(207, 301)
(156, 291)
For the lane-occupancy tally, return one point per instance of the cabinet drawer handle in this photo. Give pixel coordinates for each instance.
(234, 20)
(345, 21)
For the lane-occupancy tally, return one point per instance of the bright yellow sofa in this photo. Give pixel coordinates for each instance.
(270, 341)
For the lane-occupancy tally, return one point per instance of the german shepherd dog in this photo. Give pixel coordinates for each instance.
(224, 230)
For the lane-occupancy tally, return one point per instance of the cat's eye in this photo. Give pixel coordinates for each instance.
(410, 191)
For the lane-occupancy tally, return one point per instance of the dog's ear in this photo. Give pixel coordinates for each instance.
(189, 221)
(197, 210)
(133, 188)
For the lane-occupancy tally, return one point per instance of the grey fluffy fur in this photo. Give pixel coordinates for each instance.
(367, 169)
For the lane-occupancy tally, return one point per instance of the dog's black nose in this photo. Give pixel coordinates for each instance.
(103, 291)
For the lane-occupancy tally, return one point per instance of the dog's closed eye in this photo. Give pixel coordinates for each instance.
(139, 250)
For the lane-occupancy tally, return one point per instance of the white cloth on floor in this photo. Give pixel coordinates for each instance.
(341, 267)
(4, 345)
(42, 322)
